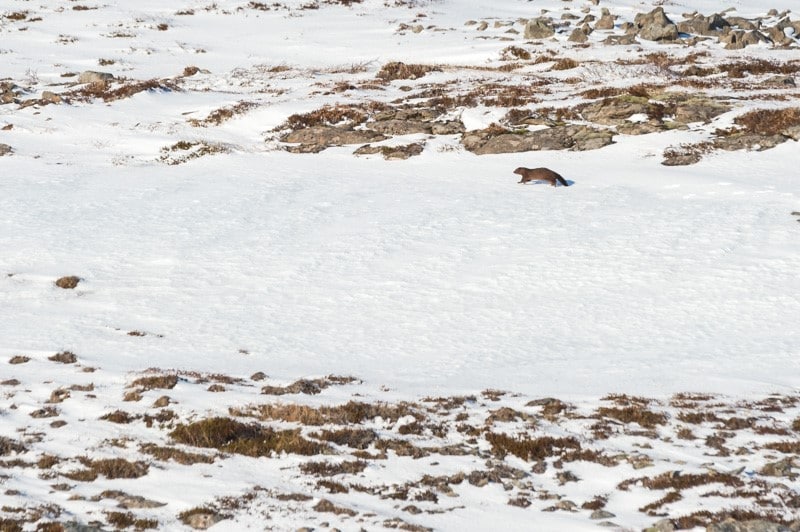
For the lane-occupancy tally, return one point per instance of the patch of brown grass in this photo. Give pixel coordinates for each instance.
(161, 382)
(121, 520)
(697, 418)
(530, 449)
(325, 505)
(119, 416)
(769, 121)
(326, 116)
(398, 70)
(228, 435)
(112, 468)
(786, 447)
(565, 63)
(756, 67)
(511, 53)
(223, 114)
(171, 453)
(332, 486)
(8, 446)
(353, 412)
(104, 91)
(64, 357)
(633, 414)
(19, 359)
(597, 503)
(650, 509)
(674, 480)
(351, 437)
(328, 469)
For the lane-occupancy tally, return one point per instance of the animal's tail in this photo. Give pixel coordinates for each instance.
(562, 180)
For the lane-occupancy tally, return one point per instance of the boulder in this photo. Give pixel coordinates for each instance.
(743, 23)
(571, 137)
(5, 149)
(91, 76)
(778, 36)
(326, 136)
(755, 525)
(620, 40)
(700, 25)
(579, 35)
(606, 21)
(738, 39)
(539, 28)
(656, 26)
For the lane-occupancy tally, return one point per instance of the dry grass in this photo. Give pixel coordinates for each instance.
(565, 64)
(786, 447)
(223, 114)
(120, 520)
(161, 382)
(117, 468)
(353, 412)
(674, 480)
(397, 70)
(171, 453)
(109, 93)
(325, 505)
(326, 116)
(351, 437)
(530, 449)
(228, 435)
(64, 357)
(19, 359)
(511, 53)
(328, 469)
(119, 416)
(769, 121)
(650, 509)
(8, 446)
(633, 414)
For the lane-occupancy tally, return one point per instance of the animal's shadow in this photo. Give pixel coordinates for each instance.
(570, 182)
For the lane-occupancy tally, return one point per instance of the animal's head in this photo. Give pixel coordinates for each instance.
(519, 170)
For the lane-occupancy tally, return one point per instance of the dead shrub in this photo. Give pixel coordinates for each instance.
(326, 116)
(510, 53)
(597, 503)
(48, 411)
(117, 468)
(530, 449)
(121, 520)
(64, 357)
(757, 67)
(68, 283)
(328, 469)
(8, 446)
(676, 481)
(650, 509)
(353, 412)
(768, 122)
(696, 418)
(171, 453)
(633, 414)
(161, 382)
(228, 435)
(398, 70)
(105, 91)
(786, 447)
(19, 359)
(354, 438)
(332, 486)
(223, 114)
(119, 416)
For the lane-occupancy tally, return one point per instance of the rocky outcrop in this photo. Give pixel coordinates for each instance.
(655, 26)
(755, 525)
(571, 137)
(316, 138)
(738, 39)
(606, 21)
(91, 76)
(539, 28)
(707, 26)
(392, 153)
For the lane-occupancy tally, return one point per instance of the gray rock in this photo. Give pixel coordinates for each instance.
(738, 39)
(572, 137)
(51, 97)
(700, 25)
(5, 149)
(601, 514)
(665, 525)
(326, 136)
(580, 35)
(656, 26)
(539, 28)
(91, 76)
(606, 21)
(743, 23)
(778, 37)
(781, 468)
(731, 525)
(620, 40)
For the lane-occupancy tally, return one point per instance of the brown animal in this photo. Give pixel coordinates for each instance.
(540, 174)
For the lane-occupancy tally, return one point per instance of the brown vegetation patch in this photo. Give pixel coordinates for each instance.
(161, 382)
(8, 446)
(633, 414)
(565, 64)
(353, 412)
(19, 359)
(228, 435)
(64, 357)
(121, 520)
(326, 116)
(325, 505)
(48, 411)
(786, 447)
(769, 121)
(223, 114)
(328, 469)
(351, 437)
(398, 70)
(116, 468)
(530, 449)
(185, 151)
(108, 93)
(119, 416)
(171, 453)
(674, 480)
(696, 418)
(650, 509)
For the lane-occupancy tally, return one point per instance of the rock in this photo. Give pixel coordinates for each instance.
(620, 40)
(5, 149)
(452, 127)
(69, 282)
(161, 402)
(400, 127)
(781, 468)
(780, 82)
(615, 111)
(606, 21)
(51, 97)
(539, 28)
(665, 525)
(482, 26)
(391, 153)
(580, 35)
(572, 137)
(700, 25)
(91, 76)
(656, 26)
(696, 108)
(601, 514)
(778, 37)
(731, 525)
(749, 141)
(738, 39)
(317, 138)
(743, 23)
(202, 520)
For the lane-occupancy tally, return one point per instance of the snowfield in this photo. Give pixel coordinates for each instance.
(471, 353)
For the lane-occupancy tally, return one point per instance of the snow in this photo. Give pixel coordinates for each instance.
(434, 276)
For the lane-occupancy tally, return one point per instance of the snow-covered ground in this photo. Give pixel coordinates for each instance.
(436, 276)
